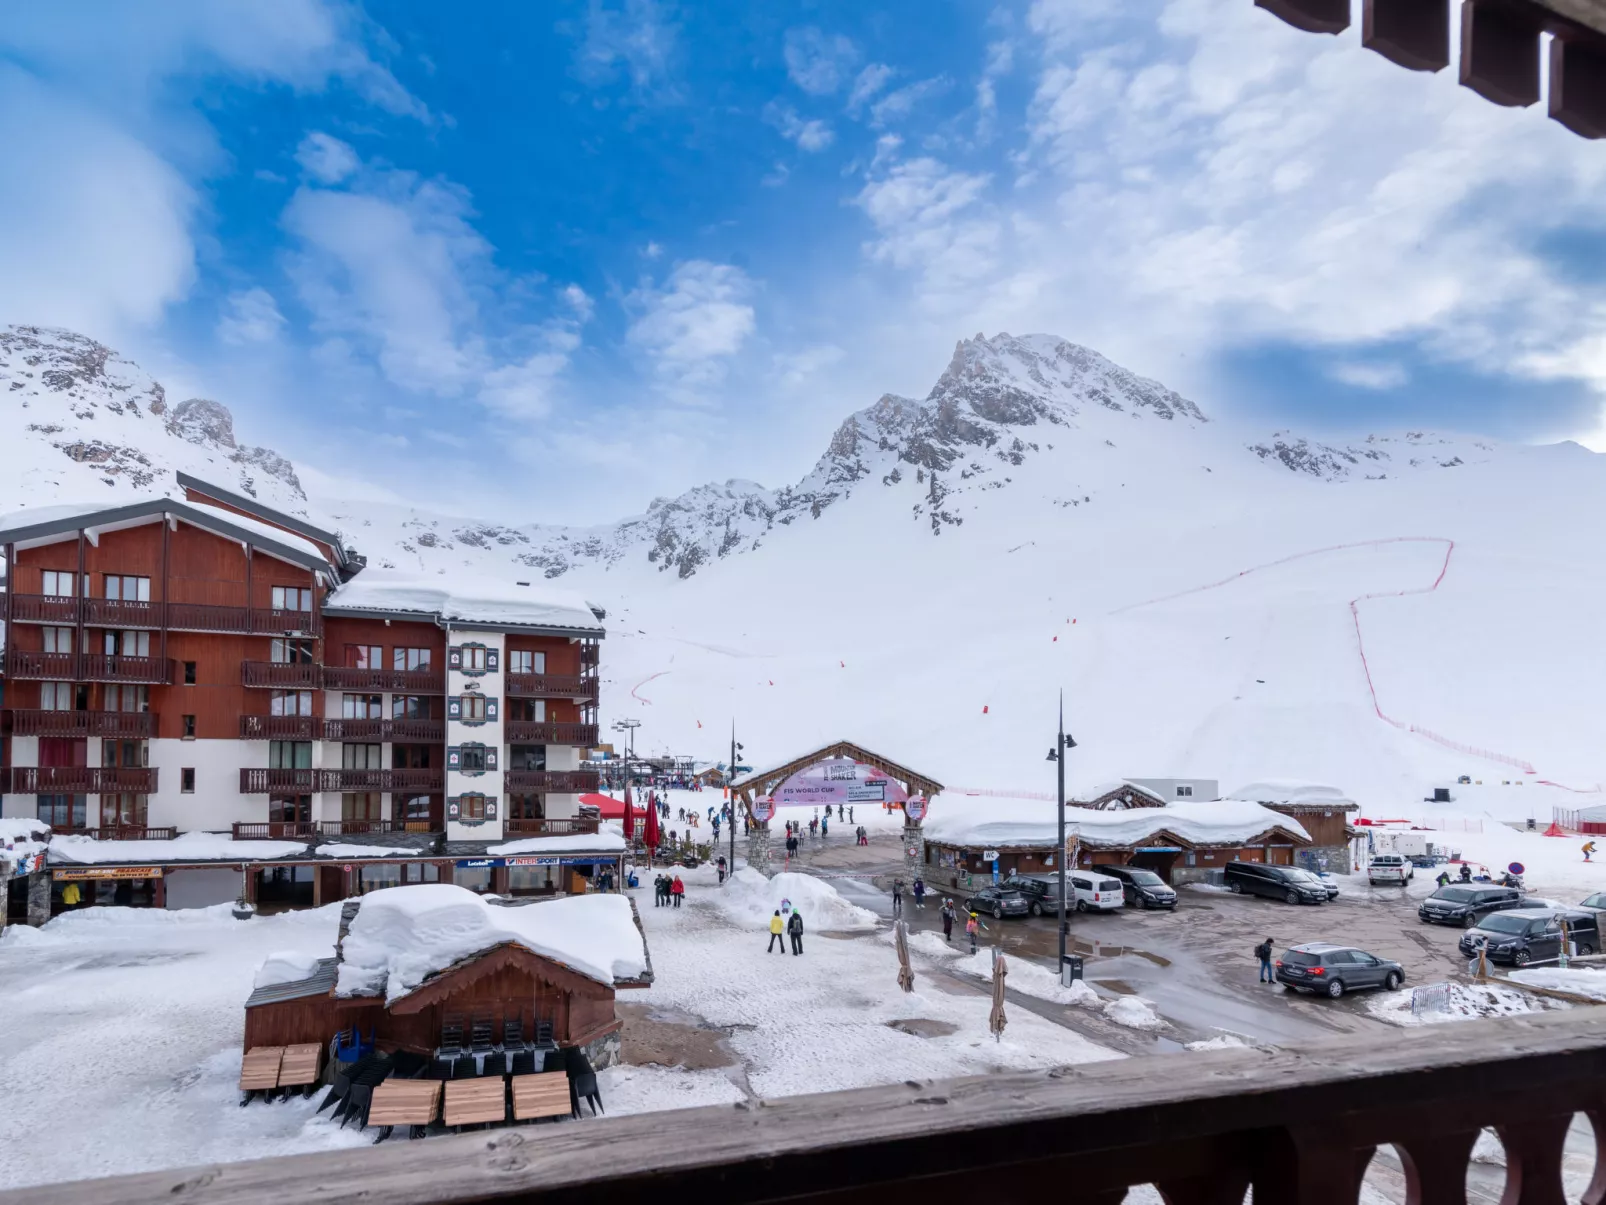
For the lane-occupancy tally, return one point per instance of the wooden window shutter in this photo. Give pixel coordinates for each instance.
(454, 708)
(490, 807)
(493, 661)
(490, 757)
(454, 657)
(454, 757)
(454, 807)
(490, 709)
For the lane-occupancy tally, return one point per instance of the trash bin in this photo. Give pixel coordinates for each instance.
(1070, 969)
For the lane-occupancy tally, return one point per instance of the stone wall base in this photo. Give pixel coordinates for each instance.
(604, 1051)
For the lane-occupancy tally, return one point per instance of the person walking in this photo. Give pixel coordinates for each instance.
(920, 892)
(721, 865)
(678, 890)
(658, 891)
(794, 930)
(850, 815)
(825, 822)
(972, 926)
(839, 811)
(1263, 952)
(949, 916)
(776, 929)
(897, 897)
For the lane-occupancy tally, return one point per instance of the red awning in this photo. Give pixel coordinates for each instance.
(611, 808)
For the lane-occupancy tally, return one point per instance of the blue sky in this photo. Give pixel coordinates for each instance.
(553, 259)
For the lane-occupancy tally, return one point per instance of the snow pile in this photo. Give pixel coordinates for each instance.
(1308, 794)
(285, 966)
(1222, 1041)
(1028, 823)
(1577, 981)
(13, 829)
(1133, 1012)
(1028, 978)
(402, 935)
(569, 843)
(1082, 996)
(1466, 1002)
(752, 899)
(465, 597)
(342, 849)
(191, 847)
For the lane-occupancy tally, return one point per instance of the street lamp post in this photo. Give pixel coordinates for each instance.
(1062, 744)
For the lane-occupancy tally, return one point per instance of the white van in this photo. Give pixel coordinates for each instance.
(1095, 893)
(1393, 869)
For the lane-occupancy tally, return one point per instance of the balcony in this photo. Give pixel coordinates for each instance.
(28, 665)
(425, 731)
(112, 613)
(590, 655)
(279, 727)
(533, 732)
(178, 616)
(275, 830)
(257, 781)
(294, 675)
(127, 725)
(79, 780)
(560, 781)
(422, 780)
(549, 828)
(398, 681)
(101, 667)
(118, 832)
(43, 608)
(552, 686)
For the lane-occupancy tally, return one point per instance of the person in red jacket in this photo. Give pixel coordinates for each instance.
(678, 890)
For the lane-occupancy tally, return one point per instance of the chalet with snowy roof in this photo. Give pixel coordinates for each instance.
(435, 968)
(204, 664)
(1323, 811)
(1179, 842)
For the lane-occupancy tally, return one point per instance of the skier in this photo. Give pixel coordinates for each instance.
(776, 929)
(897, 897)
(1589, 848)
(794, 930)
(920, 892)
(1263, 952)
(948, 918)
(825, 822)
(678, 890)
(971, 926)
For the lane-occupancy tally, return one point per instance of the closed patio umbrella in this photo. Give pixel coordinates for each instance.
(649, 834)
(906, 975)
(996, 1019)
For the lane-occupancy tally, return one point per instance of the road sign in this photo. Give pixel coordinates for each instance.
(989, 855)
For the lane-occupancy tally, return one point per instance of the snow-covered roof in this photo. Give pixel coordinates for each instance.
(569, 843)
(257, 527)
(1100, 789)
(190, 847)
(1294, 794)
(23, 829)
(465, 598)
(403, 935)
(1033, 824)
(346, 849)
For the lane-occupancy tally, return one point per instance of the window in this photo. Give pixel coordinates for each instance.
(529, 757)
(474, 658)
(364, 656)
(473, 709)
(124, 754)
(189, 727)
(58, 640)
(411, 757)
(529, 710)
(414, 809)
(290, 598)
(524, 661)
(290, 652)
(420, 872)
(360, 805)
(290, 755)
(290, 702)
(1184, 792)
(123, 809)
(62, 811)
(128, 644)
(473, 759)
(409, 707)
(186, 780)
(55, 696)
(471, 806)
(189, 673)
(289, 809)
(57, 583)
(361, 757)
(409, 659)
(128, 698)
(362, 707)
(128, 589)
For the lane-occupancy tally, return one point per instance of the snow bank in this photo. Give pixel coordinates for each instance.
(1466, 1002)
(191, 847)
(571, 843)
(1579, 981)
(22, 829)
(402, 935)
(285, 966)
(340, 849)
(1133, 1012)
(1222, 1041)
(1289, 791)
(752, 899)
(1029, 823)
(466, 597)
(1028, 978)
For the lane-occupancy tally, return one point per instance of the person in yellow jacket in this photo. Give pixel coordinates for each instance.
(776, 930)
(71, 895)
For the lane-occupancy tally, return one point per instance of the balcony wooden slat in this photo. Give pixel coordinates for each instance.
(550, 828)
(559, 781)
(552, 686)
(202, 617)
(297, 675)
(44, 608)
(539, 732)
(79, 780)
(384, 730)
(28, 665)
(254, 780)
(279, 727)
(398, 681)
(127, 725)
(102, 667)
(1172, 1118)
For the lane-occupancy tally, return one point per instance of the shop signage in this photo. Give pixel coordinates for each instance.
(763, 809)
(915, 808)
(838, 780)
(477, 863)
(583, 860)
(1158, 849)
(106, 872)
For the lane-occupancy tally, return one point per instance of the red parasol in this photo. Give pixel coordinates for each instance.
(649, 835)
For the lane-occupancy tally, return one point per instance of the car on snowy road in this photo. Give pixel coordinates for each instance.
(1142, 888)
(1523, 935)
(1286, 883)
(1466, 904)
(998, 902)
(1595, 903)
(1390, 868)
(1331, 970)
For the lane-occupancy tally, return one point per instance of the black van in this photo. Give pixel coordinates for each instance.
(1286, 883)
(1523, 935)
(1466, 904)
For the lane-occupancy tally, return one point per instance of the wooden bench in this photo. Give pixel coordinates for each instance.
(404, 1102)
(301, 1066)
(545, 1094)
(471, 1101)
(259, 1070)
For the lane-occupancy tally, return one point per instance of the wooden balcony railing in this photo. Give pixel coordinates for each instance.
(101, 667)
(384, 730)
(179, 616)
(561, 781)
(401, 681)
(44, 608)
(590, 654)
(536, 732)
(276, 830)
(552, 686)
(297, 675)
(273, 830)
(257, 781)
(1298, 1124)
(280, 727)
(118, 832)
(113, 613)
(79, 780)
(127, 725)
(550, 828)
(28, 665)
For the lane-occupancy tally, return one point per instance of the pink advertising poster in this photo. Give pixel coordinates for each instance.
(838, 780)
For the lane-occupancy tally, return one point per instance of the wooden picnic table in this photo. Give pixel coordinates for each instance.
(259, 1069)
(301, 1065)
(401, 1102)
(469, 1101)
(545, 1094)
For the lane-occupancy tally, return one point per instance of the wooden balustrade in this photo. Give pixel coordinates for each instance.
(126, 725)
(257, 781)
(560, 781)
(399, 681)
(29, 665)
(118, 832)
(254, 780)
(281, 675)
(114, 613)
(549, 828)
(176, 616)
(1299, 1125)
(44, 608)
(279, 727)
(384, 730)
(552, 686)
(276, 830)
(79, 780)
(541, 732)
(103, 667)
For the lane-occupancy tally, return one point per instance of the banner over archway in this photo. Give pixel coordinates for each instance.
(839, 780)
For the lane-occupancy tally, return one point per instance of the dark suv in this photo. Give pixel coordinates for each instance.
(1524, 935)
(999, 901)
(1286, 883)
(1142, 888)
(1466, 904)
(1042, 894)
(1333, 970)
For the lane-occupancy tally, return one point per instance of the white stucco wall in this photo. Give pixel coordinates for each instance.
(216, 803)
(491, 733)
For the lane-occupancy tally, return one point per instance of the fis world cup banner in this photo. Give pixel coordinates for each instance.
(836, 781)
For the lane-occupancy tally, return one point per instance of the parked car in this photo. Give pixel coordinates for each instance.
(1523, 935)
(1286, 883)
(1596, 902)
(1042, 892)
(1141, 888)
(999, 902)
(1393, 869)
(1332, 970)
(1466, 904)
(1094, 892)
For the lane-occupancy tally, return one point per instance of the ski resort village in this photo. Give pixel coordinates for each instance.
(1142, 742)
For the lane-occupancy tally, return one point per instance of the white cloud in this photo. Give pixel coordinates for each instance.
(817, 62)
(929, 218)
(797, 367)
(637, 38)
(1365, 375)
(694, 322)
(895, 106)
(327, 160)
(252, 316)
(869, 82)
(811, 136)
(580, 302)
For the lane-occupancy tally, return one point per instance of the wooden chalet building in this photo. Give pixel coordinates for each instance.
(204, 663)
